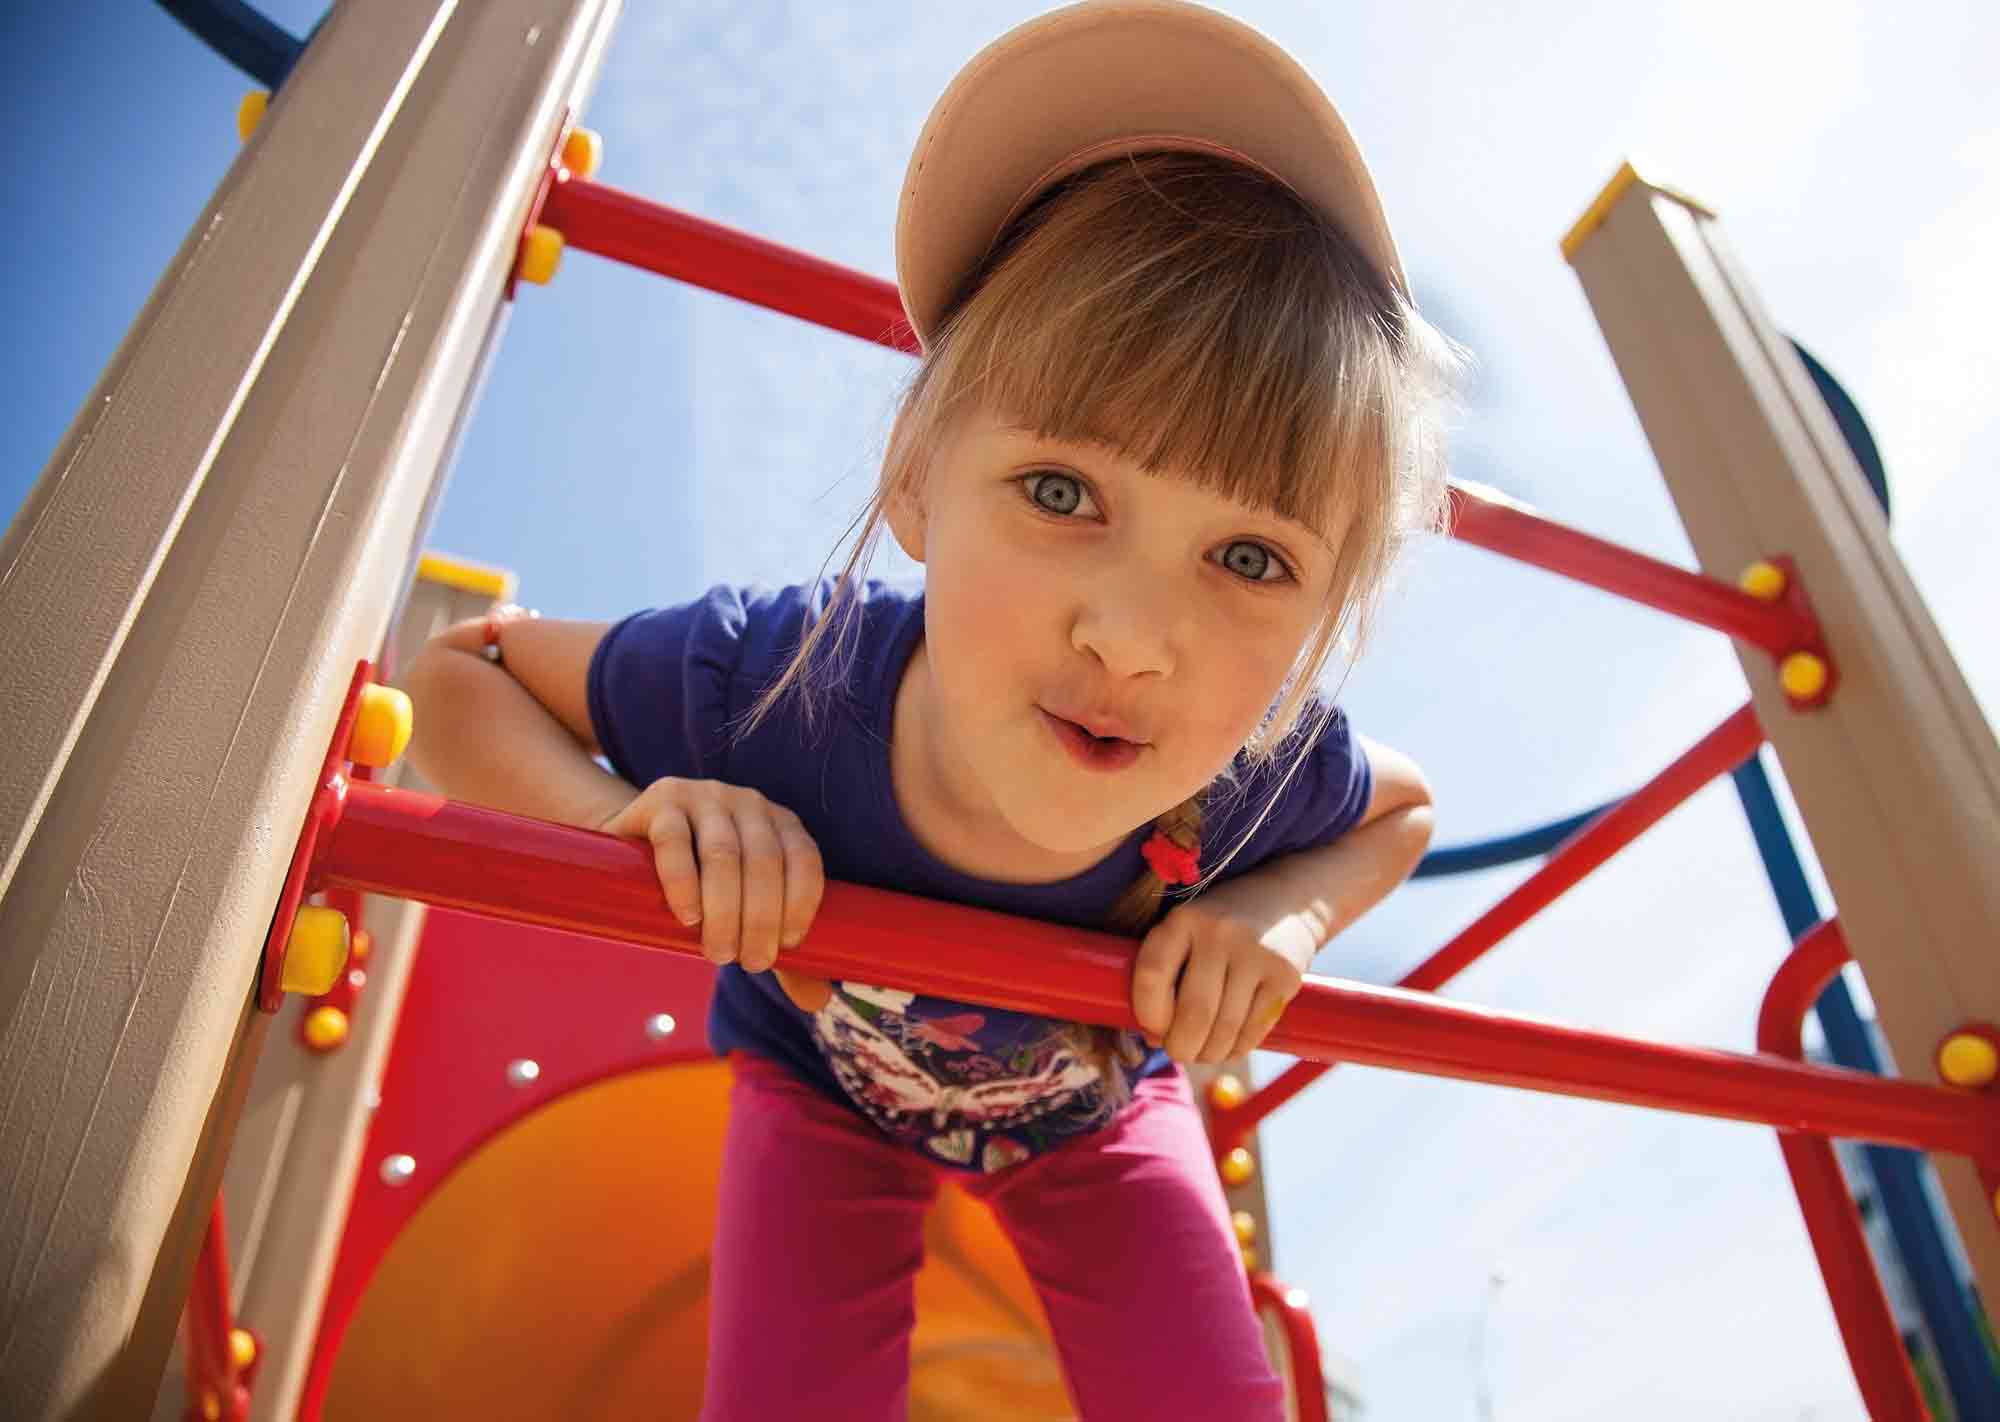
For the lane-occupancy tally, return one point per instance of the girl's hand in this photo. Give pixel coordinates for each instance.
(738, 865)
(1214, 975)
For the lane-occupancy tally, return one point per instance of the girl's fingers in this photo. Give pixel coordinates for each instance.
(1195, 1006)
(1154, 973)
(805, 879)
(1265, 1010)
(763, 903)
(1238, 995)
(721, 859)
(673, 859)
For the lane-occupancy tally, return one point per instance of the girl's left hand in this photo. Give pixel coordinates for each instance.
(1214, 975)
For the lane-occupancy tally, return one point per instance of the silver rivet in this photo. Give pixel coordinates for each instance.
(522, 1072)
(398, 1168)
(660, 1026)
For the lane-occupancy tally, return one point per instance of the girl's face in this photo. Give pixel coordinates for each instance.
(1099, 641)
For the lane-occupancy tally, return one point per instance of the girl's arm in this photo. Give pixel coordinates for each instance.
(519, 737)
(515, 737)
(1330, 886)
(1215, 974)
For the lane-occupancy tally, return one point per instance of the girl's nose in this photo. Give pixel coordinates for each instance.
(1127, 624)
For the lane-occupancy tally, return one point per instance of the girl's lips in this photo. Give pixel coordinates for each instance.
(1087, 750)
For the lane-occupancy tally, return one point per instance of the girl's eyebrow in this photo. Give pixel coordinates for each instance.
(1088, 443)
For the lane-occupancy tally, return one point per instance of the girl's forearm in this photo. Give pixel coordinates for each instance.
(1334, 884)
(479, 735)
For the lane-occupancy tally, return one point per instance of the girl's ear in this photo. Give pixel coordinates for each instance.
(904, 508)
(904, 511)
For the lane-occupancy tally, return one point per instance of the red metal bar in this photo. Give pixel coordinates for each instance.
(1520, 533)
(631, 229)
(1289, 1307)
(212, 1375)
(1720, 751)
(642, 233)
(413, 845)
(1881, 1367)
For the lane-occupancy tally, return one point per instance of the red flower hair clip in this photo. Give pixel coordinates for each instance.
(1173, 864)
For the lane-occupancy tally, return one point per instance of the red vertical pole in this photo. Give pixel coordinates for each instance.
(1874, 1348)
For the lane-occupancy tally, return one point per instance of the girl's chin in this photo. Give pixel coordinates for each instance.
(1074, 830)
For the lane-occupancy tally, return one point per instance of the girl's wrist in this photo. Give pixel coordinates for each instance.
(490, 630)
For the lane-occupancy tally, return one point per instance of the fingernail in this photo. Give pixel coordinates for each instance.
(688, 918)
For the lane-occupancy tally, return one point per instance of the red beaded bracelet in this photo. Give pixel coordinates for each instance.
(489, 635)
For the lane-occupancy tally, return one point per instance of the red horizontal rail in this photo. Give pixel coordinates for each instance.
(1720, 751)
(1874, 1346)
(1520, 533)
(642, 233)
(413, 845)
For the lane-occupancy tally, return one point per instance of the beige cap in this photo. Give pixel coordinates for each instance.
(1102, 79)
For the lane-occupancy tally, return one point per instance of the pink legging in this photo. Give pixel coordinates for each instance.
(1125, 1234)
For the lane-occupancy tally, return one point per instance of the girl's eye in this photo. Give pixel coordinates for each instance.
(1252, 561)
(1056, 493)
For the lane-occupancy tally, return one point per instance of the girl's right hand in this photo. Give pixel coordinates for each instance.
(738, 865)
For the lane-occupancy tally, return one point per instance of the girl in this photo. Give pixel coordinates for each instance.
(1174, 417)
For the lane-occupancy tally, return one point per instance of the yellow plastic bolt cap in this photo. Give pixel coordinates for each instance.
(250, 113)
(316, 953)
(1968, 1059)
(540, 254)
(1249, 1260)
(1238, 1167)
(242, 1347)
(381, 727)
(1803, 676)
(1763, 581)
(583, 151)
(1245, 1225)
(326, 1028)
(1227, 1092)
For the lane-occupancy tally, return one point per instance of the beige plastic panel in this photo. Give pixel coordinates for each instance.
(222, 534)
(1899, 778)
(298, 1142)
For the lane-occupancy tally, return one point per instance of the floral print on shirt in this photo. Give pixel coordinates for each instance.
(977, 1089)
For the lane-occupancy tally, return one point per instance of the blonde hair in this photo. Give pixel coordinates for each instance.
(1201, 319)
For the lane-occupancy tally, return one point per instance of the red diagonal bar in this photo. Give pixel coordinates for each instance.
(1508, 528)
(1874, 1346)
(412, 845)
(631, 229)
(1721, 750)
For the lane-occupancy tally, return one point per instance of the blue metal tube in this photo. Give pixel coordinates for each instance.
(241, 35)
(1508, 849)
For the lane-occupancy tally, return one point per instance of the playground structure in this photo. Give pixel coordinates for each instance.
(248, 524)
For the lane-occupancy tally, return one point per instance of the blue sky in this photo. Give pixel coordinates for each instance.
(638, 442)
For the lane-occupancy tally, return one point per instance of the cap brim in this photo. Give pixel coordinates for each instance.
(1097, 80)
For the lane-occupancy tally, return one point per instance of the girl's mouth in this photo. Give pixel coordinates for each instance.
(1091, 752)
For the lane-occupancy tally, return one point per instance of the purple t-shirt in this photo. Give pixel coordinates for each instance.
(975, 1087)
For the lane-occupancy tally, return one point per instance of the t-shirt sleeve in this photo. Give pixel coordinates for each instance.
(1323, 799)
(660, 684)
